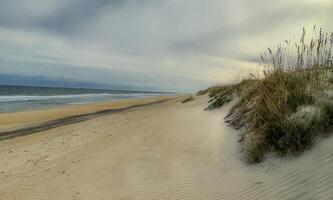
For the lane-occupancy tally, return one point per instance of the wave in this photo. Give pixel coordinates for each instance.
(16, 98)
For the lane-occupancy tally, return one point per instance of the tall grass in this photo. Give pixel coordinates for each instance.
(300, 55)
(221, 95)
(287, 106)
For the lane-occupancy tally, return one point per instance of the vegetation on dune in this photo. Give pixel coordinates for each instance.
(224, 94)
(188, 99)
(286, 107)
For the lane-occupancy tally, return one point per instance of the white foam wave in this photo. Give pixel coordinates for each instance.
(81, 96)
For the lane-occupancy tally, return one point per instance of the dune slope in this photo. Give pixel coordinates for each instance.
(166, 151)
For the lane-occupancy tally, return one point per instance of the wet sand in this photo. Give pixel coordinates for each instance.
(162, 151)
(18, 120)
(47, 124)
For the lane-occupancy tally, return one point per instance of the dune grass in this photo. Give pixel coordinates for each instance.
(221, 95)
(188, 99)
(286, 107)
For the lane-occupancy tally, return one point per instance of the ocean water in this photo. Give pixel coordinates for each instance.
(20, 98)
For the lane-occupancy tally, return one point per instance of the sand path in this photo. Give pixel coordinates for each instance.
(166, 151)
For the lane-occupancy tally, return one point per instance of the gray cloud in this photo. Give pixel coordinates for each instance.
(65, 16)
(174, 44)
(76, 13)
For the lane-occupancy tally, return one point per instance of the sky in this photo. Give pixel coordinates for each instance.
(165, 45)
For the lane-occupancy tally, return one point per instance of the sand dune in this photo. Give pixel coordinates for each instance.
(165, 151)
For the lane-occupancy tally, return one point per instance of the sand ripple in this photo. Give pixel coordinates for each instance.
(169, 151)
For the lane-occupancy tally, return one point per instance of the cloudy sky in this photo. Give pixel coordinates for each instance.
(174, 45)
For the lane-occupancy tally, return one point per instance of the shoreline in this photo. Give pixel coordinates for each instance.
(28, 122)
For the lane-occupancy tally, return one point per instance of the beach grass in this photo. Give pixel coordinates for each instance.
(188, 99)
(288, 104)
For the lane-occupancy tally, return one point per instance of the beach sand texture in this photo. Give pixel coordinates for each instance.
(163, 151)
(9, 121)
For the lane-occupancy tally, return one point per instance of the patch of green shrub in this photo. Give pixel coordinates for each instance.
(219, 96)
(223, 97)
(188, 99)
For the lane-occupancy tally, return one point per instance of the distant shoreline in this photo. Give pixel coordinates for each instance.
(39, 127)
(88, 88)
(25, 98)
(18, 123)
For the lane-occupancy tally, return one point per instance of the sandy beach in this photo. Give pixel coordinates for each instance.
(169, 150)
(12, 121)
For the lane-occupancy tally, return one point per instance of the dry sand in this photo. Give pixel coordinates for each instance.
(164, 151)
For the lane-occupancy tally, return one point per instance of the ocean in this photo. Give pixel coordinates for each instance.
(21, 98)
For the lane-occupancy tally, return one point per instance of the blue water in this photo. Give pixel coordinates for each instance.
(20, 98)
